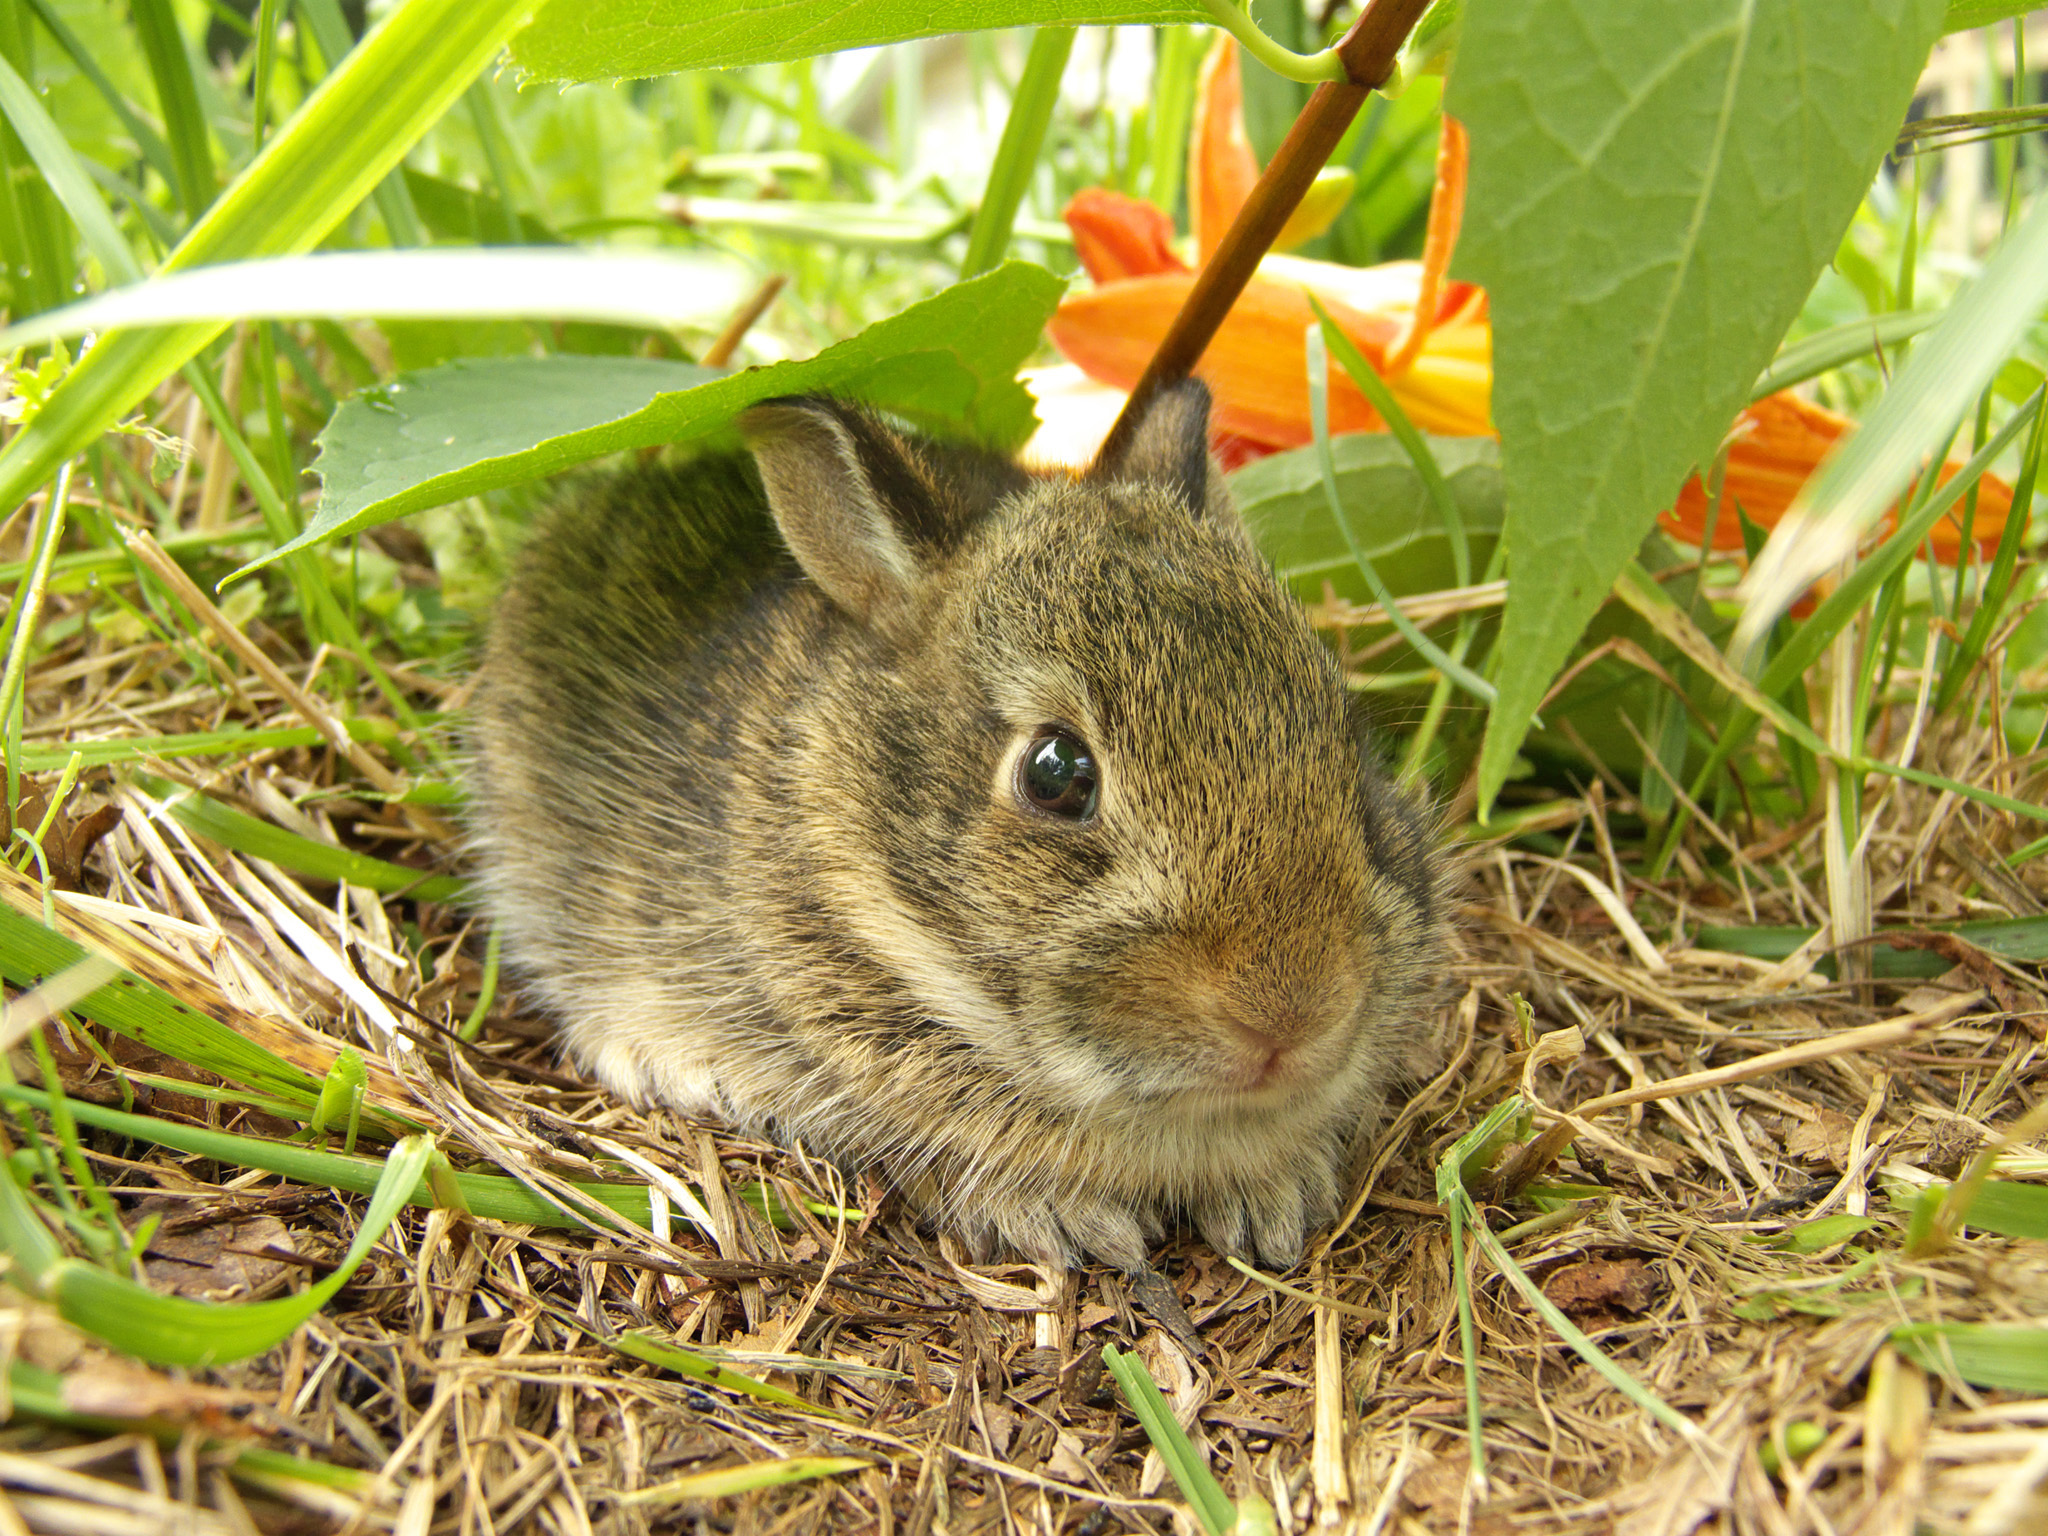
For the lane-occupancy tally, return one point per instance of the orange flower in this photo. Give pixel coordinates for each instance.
(1429, 337)
(1257, 366)
(1778, 443)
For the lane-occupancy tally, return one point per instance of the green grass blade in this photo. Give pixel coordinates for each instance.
(147, 139)
(688, 1363)
(1858, 340)
(40, 1394)
(2023, 940)
(725, 1482)
(1818, 631)
(635, 39)
(1999, 1206)
(1470, 1153)
(231, 742)
(1016, 161)
(856, 225)
(394, 201)
(132, 1006)
(1984, 1354)
(1641, 592)
(263, 70)
(1998, 582)
(65, 175)
(1374, 388)
(1319, 417)
(487, 1195)
(1451, 1191)
(352, 131)
(1947, 371)
(174, 1330)
(170, 66)
(615, 287)
(1205, 1496)
(1173, 107)
(323, 861)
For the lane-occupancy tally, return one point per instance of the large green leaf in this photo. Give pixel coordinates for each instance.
(1964, 14)
(1392, 517)
(1654, 189)
(631, 39)
(360, 122)
(467, 427)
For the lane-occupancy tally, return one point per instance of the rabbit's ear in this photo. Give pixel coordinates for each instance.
(1168, 448)
(853, 505)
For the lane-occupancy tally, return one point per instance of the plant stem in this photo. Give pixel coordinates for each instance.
(1038, 92)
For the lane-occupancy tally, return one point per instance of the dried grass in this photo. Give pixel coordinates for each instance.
(467, 1367)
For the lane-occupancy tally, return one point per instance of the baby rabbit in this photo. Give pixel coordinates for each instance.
(1008, 834)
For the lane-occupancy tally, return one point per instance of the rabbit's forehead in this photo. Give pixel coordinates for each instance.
(1133, 631)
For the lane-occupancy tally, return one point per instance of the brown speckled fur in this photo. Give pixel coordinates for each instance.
(760, 849)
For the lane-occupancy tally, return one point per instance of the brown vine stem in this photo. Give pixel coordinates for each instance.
(1367, 52)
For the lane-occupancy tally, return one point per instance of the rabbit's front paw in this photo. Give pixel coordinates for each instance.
(1275, 1217)
(1061, 1233)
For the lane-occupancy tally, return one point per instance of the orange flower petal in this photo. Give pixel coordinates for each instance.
(1118, 236)
(1446, 214)
(1778, 443)
(1257, 367)
(1221, 166)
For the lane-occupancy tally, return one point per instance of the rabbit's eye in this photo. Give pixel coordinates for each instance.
(1057, 775)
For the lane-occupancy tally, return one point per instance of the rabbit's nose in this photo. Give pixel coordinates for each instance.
(1266, 1045)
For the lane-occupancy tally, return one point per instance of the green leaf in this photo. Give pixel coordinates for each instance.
(467, 427)
(1962, 15)
(1654, 190)
(350, 132)
(617, 287)
(632, 39)
(1984, 1354)
(453, 212)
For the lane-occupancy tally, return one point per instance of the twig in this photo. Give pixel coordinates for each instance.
(720, 352)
